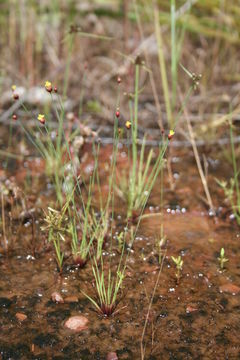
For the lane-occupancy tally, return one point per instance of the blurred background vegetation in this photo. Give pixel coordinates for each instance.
(81, 46)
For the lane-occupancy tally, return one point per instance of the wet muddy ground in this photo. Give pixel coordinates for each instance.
(199, 318)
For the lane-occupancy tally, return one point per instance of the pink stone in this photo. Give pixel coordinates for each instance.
(57, 297)
(76, 323)
(190, 309)
(111, 356)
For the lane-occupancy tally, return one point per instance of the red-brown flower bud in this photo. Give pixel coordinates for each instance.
(41, 118)
(48, 86)
(170, 135)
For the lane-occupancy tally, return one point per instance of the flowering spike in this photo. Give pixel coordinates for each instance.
(119, 80)
(117, 113)
(120, 132)
(128, 124)
(48, 86)
(41, 118)
(170, 135)
(14, 117)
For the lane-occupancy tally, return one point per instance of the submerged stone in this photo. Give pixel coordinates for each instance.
(57, 297)
(112, 356)
(190, 309)
(77, 323)
(71, 299)
(21, 317)
(229, 289)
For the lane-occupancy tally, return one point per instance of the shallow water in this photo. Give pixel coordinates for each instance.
(199, 318)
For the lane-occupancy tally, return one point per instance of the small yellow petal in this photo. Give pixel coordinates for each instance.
(41, 118)
(170, 135)
(48, 84)
(14, 87)
(128, 124)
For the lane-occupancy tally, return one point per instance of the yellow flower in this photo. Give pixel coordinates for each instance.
(14, 87)
(41, 118)
(48, 83)
(48, 86)
(128, 124)
(170, 135)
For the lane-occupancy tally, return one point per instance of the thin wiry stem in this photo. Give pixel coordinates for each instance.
(197, 158)
(149, 309)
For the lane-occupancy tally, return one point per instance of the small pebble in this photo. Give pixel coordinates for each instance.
(76, 323)
(21, 317)
(71, 299)
(229, 289)
(190, 309)
(57, 297)
(111, 356)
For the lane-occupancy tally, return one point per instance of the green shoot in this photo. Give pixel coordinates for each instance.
(120, 240)
(179, 265)
(135, 197)
(160, 243)
(222, 260)
(55, 224)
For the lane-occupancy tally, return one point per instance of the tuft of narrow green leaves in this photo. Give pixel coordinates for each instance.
(178, 261)
(56, 226)
(222, 259)
(107, 287)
